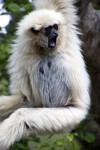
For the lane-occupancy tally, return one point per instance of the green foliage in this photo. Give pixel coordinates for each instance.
(60, 142)
(89, 137)
(4, 49)
(14, 7)
(53, 142)
(83, 135)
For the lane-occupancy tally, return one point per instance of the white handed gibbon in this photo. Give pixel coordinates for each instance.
(47, 69)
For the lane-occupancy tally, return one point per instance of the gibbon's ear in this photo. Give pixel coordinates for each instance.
(36, 28)
(34, 31)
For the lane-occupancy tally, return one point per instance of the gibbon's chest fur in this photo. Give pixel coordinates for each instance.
(52, 82)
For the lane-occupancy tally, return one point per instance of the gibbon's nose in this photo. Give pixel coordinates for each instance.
(55, 35)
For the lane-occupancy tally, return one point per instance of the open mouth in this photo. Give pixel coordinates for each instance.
(52, 42)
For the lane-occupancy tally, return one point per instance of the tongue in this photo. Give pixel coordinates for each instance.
(52, 44)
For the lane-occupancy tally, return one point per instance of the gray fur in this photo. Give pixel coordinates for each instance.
(53, 88)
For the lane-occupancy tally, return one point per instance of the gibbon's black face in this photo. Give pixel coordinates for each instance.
(51, 32)
(48, 35)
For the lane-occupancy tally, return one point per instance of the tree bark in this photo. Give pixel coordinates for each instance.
(90, 27)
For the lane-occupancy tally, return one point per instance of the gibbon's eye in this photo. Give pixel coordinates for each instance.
(48, 29)
(34, 31)
(55, 26)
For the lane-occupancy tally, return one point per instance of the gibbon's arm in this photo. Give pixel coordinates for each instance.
(31, 121)
(9, 103)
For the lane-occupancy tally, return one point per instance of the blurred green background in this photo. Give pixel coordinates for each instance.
(78, 139)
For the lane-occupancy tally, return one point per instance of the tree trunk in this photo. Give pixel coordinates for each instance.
(90, 27)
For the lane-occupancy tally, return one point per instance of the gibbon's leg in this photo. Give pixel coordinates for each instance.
(30, 121)
(9, 103)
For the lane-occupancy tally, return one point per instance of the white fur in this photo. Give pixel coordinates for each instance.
(40, 121)
(23, 64)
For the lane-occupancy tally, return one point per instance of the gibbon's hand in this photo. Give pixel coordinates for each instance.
(8, 104)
